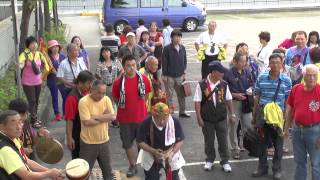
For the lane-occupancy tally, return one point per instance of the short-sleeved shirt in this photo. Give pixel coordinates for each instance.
(139, 30)
(137, 52)
(207, 39)
(305, 104)
(198, 93)
(238, 82)
(166, 33)
(29, 78)
(113, 42)
(150, 44)
(96, 134)
(65, 70)
(108, 74)
(291, 52)
(71, 107)
(135, 107)
(159, 135)
(266, 88)
(10, 161)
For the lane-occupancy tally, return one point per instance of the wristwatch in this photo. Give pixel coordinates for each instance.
(233, 115)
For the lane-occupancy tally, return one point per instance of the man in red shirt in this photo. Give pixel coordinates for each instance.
(303, 108)
(130, 92)
(73, 126)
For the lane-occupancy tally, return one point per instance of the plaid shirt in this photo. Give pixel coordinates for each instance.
(107, 76)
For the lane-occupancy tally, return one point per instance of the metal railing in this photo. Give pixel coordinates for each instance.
(96, 5)
(5, 9)
(254, 4)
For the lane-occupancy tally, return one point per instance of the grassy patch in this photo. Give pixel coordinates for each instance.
(8, 88)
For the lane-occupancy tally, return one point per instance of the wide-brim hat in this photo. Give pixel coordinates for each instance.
(53, 43)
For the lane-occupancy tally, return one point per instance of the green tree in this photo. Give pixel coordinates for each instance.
(27, 8)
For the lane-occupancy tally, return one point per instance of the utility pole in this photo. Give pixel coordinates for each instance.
(16, 44)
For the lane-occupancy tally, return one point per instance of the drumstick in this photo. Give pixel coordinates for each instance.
(67, 169)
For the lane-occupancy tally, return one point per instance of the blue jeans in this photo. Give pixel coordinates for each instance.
(304, 142)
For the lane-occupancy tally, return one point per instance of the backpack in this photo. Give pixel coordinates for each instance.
(253, 142)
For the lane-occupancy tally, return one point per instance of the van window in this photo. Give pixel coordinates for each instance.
(151, 3)
(124, 4)
(174, 3)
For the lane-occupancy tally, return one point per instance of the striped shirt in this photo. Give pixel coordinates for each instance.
(266, 88)
(69, 73)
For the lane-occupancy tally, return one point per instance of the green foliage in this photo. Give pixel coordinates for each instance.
(8, 88)
(57, 34)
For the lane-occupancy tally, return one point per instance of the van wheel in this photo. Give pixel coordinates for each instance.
(190, 25)
(118, 27)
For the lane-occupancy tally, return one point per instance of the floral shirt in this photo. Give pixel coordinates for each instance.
(108, 74)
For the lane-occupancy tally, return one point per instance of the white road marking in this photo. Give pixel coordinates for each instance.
(92, 46)
(234, 161)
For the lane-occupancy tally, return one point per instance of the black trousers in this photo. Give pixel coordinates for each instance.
(32, 95)
(153, 173)
(205, 65)
(277, 141)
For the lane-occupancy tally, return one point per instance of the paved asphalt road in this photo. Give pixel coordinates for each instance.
(193, 148)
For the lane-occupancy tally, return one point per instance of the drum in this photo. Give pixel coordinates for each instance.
(78, 169)
(49, 150)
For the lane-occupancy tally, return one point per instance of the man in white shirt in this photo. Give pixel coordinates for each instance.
(211, 99)
(68, 70)
(210, 38)
(166, 32)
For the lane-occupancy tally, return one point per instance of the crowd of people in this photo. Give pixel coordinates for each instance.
(133, 85)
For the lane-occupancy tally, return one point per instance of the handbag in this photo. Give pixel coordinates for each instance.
(247, 105)
(35, 68)
(253, 142)
(186, 88)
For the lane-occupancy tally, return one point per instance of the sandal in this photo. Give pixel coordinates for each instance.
(236, 155)
(37, 124)
(270, 152)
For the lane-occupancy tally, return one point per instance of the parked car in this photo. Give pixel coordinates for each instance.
(181, 13)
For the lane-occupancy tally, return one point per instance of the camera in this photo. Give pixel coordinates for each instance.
(212, 47)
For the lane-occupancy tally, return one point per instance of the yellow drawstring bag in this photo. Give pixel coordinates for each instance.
(201, 52)
(222, 53)
(273, 115)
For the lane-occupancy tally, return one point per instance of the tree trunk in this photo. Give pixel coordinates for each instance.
(41, 25)
(47, 26)
(27, 8)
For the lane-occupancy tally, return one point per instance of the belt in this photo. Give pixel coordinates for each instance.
(307, 126)
(109, 84)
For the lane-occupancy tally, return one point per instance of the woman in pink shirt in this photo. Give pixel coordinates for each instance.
(32, 63)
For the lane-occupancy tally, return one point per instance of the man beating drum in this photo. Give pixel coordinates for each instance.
(14, 164)
(160, 137)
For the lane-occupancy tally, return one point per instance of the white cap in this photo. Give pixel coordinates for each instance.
(130, 34)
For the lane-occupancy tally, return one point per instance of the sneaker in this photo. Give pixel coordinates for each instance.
(208, 166)
(58, 117)
(226, 168)
(132, 171)
(184, 115)
(276, 175)
(259, 173)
